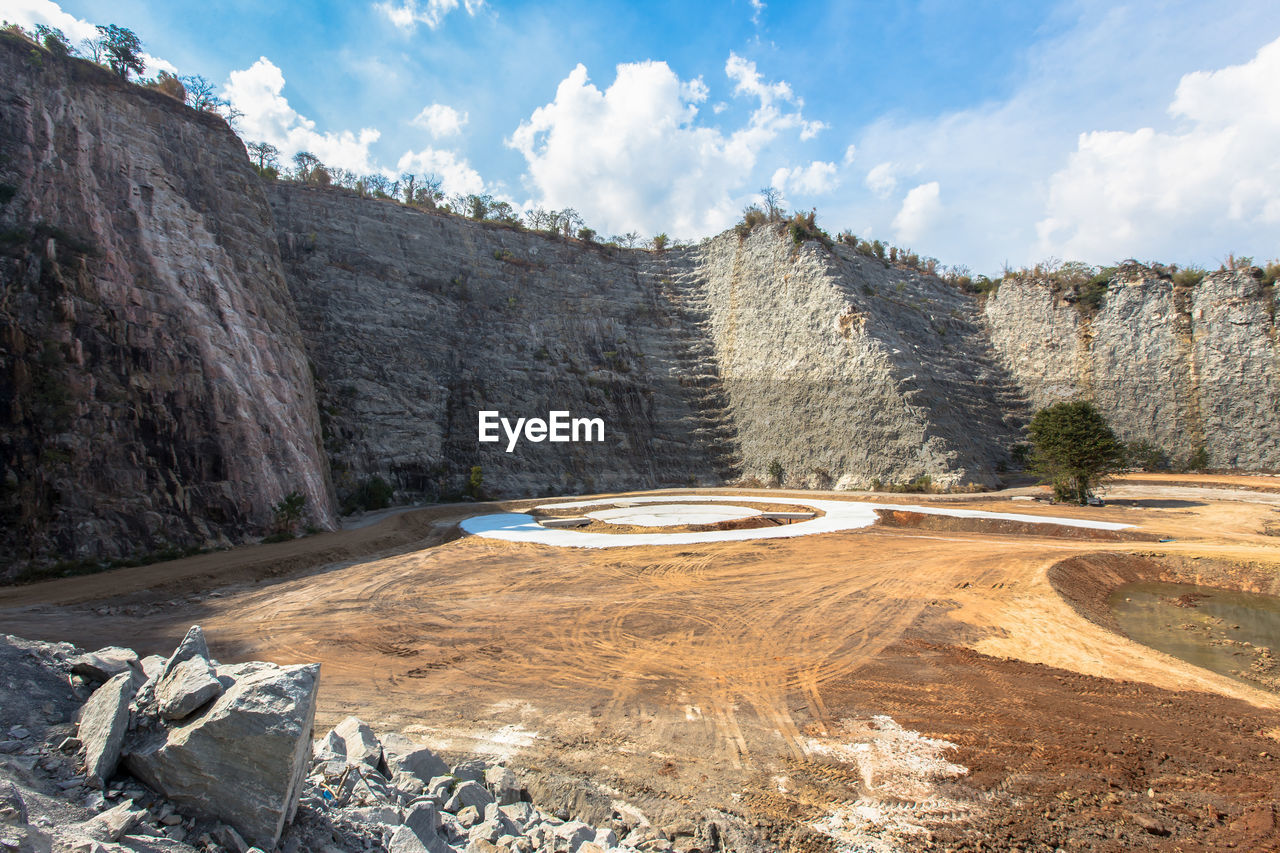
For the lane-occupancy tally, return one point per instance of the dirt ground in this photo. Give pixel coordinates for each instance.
(742, 677)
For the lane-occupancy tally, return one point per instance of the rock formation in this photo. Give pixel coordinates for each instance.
(154, 391)
(165, 311)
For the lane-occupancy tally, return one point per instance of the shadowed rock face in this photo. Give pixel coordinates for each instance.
(153, 385)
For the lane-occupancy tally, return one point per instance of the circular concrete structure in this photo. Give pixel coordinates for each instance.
(673, 515)
(838, 515)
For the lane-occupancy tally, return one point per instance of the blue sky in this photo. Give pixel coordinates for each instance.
(981, 133)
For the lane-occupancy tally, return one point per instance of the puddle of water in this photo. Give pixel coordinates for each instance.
(1231, 633)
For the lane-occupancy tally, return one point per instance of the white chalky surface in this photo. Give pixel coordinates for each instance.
(839, 515)
(673, 515)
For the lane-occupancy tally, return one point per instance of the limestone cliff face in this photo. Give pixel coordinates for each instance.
(705, 363)
(153, 386)
(846, 371)
(1183, 368)
(417, 321)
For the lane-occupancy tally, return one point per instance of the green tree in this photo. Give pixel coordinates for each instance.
(1074, 449)
(54, 40)
(288, 513)
(122, 50)
(775, 473)
(475, 482)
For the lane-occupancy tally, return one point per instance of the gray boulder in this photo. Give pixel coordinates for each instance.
(187, 688)
(503, 784)
(405, 756)
(468, 794)
(104, 664)
(104, 719)
(192, 645)
(471, 770)
(355, 743)
(243, 760)
(574, 834)
(420, 832)
(114, 823)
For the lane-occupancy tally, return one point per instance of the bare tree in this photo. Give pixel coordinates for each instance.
(266, 154)
(305, 165)
(772, 198)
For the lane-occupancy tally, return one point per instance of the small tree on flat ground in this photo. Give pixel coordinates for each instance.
(1074, 449)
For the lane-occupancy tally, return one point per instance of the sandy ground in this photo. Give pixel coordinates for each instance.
(744, 676)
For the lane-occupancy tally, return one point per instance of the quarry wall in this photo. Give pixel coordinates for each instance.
(183, 343)
(1190, 370)
(154, 391)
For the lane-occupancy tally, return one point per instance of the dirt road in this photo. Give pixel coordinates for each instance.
(697, 677)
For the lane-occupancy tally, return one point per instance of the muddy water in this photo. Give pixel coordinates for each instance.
(1231, 633)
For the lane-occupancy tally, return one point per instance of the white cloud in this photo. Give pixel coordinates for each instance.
(849, 154)
(455, 173)
(1208, 184)
(267, 116)
(815, 179)
(634, 157)
(920, 211)
(407, 14)
(757, 9)
(1111, 67)
(28, 13)
(441, 120)
(881, 180)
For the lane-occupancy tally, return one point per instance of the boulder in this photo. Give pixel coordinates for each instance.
(187, 688)
(104, 719)
(503, 784)
(468, 794)
(114, 823)
(192, 645)
(104, 664)
(420, 832)
(243, 760)
(471, 770)
(404, 756)
(153, 666)
(354, 742)
(574, 834)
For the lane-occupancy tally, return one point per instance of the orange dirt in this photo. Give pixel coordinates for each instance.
(694, 677)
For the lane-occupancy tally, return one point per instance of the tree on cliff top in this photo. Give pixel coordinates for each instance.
(1073, 449)
(122, 50)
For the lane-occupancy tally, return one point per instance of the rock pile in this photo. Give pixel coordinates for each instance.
(187, 755)
(395, 795)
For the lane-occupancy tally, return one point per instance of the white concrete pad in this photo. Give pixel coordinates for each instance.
(839, 515)
(673, 515)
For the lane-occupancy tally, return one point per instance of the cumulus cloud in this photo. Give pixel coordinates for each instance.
(881, 180)
(920, 211)
(267, 116)
(634, 157)
(1212, 181)
(815, 179)
(849, 154)
(407, 14)
(441, 120)
(455, 173)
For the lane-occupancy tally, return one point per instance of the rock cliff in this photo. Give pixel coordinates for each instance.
(182, 344)
(154, 391)
(1193, 371)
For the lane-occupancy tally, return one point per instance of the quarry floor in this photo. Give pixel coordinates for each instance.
(726, 676)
